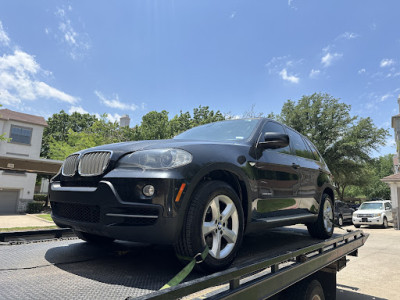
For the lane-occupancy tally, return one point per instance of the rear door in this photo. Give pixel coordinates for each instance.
(309, 169)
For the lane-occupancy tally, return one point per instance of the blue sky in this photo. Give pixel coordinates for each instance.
(132, 57)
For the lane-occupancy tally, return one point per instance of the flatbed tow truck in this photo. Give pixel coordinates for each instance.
(283, 263)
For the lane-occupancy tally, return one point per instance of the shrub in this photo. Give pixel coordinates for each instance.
(40, 197)
(34, 207)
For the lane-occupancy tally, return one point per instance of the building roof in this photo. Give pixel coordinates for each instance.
(7, 114)
(392, 178)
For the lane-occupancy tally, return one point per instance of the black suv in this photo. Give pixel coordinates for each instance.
(343, 212)
(203, 188)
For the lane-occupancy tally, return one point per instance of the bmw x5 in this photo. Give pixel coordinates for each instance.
(204, 188)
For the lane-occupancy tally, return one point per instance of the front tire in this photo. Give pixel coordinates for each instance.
(323, 227)
(385, 223)
(214, 220)
(340, 221)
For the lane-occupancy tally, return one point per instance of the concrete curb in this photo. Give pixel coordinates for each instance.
(41, 219)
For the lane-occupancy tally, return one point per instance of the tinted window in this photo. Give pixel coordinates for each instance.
(313, 150)
(278, 128)
(232, 130)
(20, 135)
(298, 145)
(388, 206)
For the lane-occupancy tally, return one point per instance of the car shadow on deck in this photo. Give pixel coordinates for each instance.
(148, 267)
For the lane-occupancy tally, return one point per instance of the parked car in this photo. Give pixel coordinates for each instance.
(202, 188)
(373, 213)
(343, 212)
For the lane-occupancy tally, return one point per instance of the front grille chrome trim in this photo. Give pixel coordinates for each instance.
(69, 166)
(94, 163)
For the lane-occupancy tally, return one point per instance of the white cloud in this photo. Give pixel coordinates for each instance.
(18, 72)
(361, 71)
(314, 73)
(291, 4)
(347, 36)
(384, 97)
(329, 58)
(78, 43)
(390, 142)
(386, 62)
(4, 39)
(233, 15)
(113, 118)
(77, 109)
(290, 78)
(282, 65)
(115, 103)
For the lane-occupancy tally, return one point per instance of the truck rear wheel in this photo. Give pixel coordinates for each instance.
(323, 227)
(314, 291)
(214, 220)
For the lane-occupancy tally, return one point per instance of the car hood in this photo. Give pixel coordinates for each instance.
(119, 149)
(369, 211)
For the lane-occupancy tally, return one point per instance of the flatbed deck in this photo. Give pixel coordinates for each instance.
(71, 268)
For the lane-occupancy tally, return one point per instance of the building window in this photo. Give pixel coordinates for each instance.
(21, 135)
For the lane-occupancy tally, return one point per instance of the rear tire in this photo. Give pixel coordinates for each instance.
(214, 220)
(314, 291)
(93, 238)
(323, 227)
(357, 226)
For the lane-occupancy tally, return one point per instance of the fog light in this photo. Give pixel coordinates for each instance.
(148, 190)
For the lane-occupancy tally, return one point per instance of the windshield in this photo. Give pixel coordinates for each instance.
(371, 206)
(232, 130)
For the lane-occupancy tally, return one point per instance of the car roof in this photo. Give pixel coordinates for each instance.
(377, 201)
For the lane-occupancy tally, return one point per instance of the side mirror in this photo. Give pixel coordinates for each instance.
(275, 140)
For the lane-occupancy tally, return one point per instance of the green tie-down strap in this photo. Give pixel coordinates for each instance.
(197, 259)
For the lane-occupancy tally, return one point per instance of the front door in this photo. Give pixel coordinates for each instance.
(277, 178)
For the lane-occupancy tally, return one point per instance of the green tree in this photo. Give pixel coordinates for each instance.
(203, 115)
(101, 132)
(59, 125)
(379, 168)
(345, 141)
(155, 126)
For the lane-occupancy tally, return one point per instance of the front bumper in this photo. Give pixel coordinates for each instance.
(368, 220)
(100, 210)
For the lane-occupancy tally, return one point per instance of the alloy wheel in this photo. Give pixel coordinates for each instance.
(328, 216)
(220, 226)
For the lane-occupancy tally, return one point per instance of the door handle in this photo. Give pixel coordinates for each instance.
(295, 166)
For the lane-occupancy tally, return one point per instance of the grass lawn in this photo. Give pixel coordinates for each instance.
(26, 228)
(47, 217)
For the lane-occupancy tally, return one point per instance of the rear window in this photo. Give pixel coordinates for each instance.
(298, 146)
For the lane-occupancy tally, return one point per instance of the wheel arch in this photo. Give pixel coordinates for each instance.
(330, 193)
(230, 174)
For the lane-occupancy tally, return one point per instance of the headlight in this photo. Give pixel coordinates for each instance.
(156, 159)
(377, 215)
